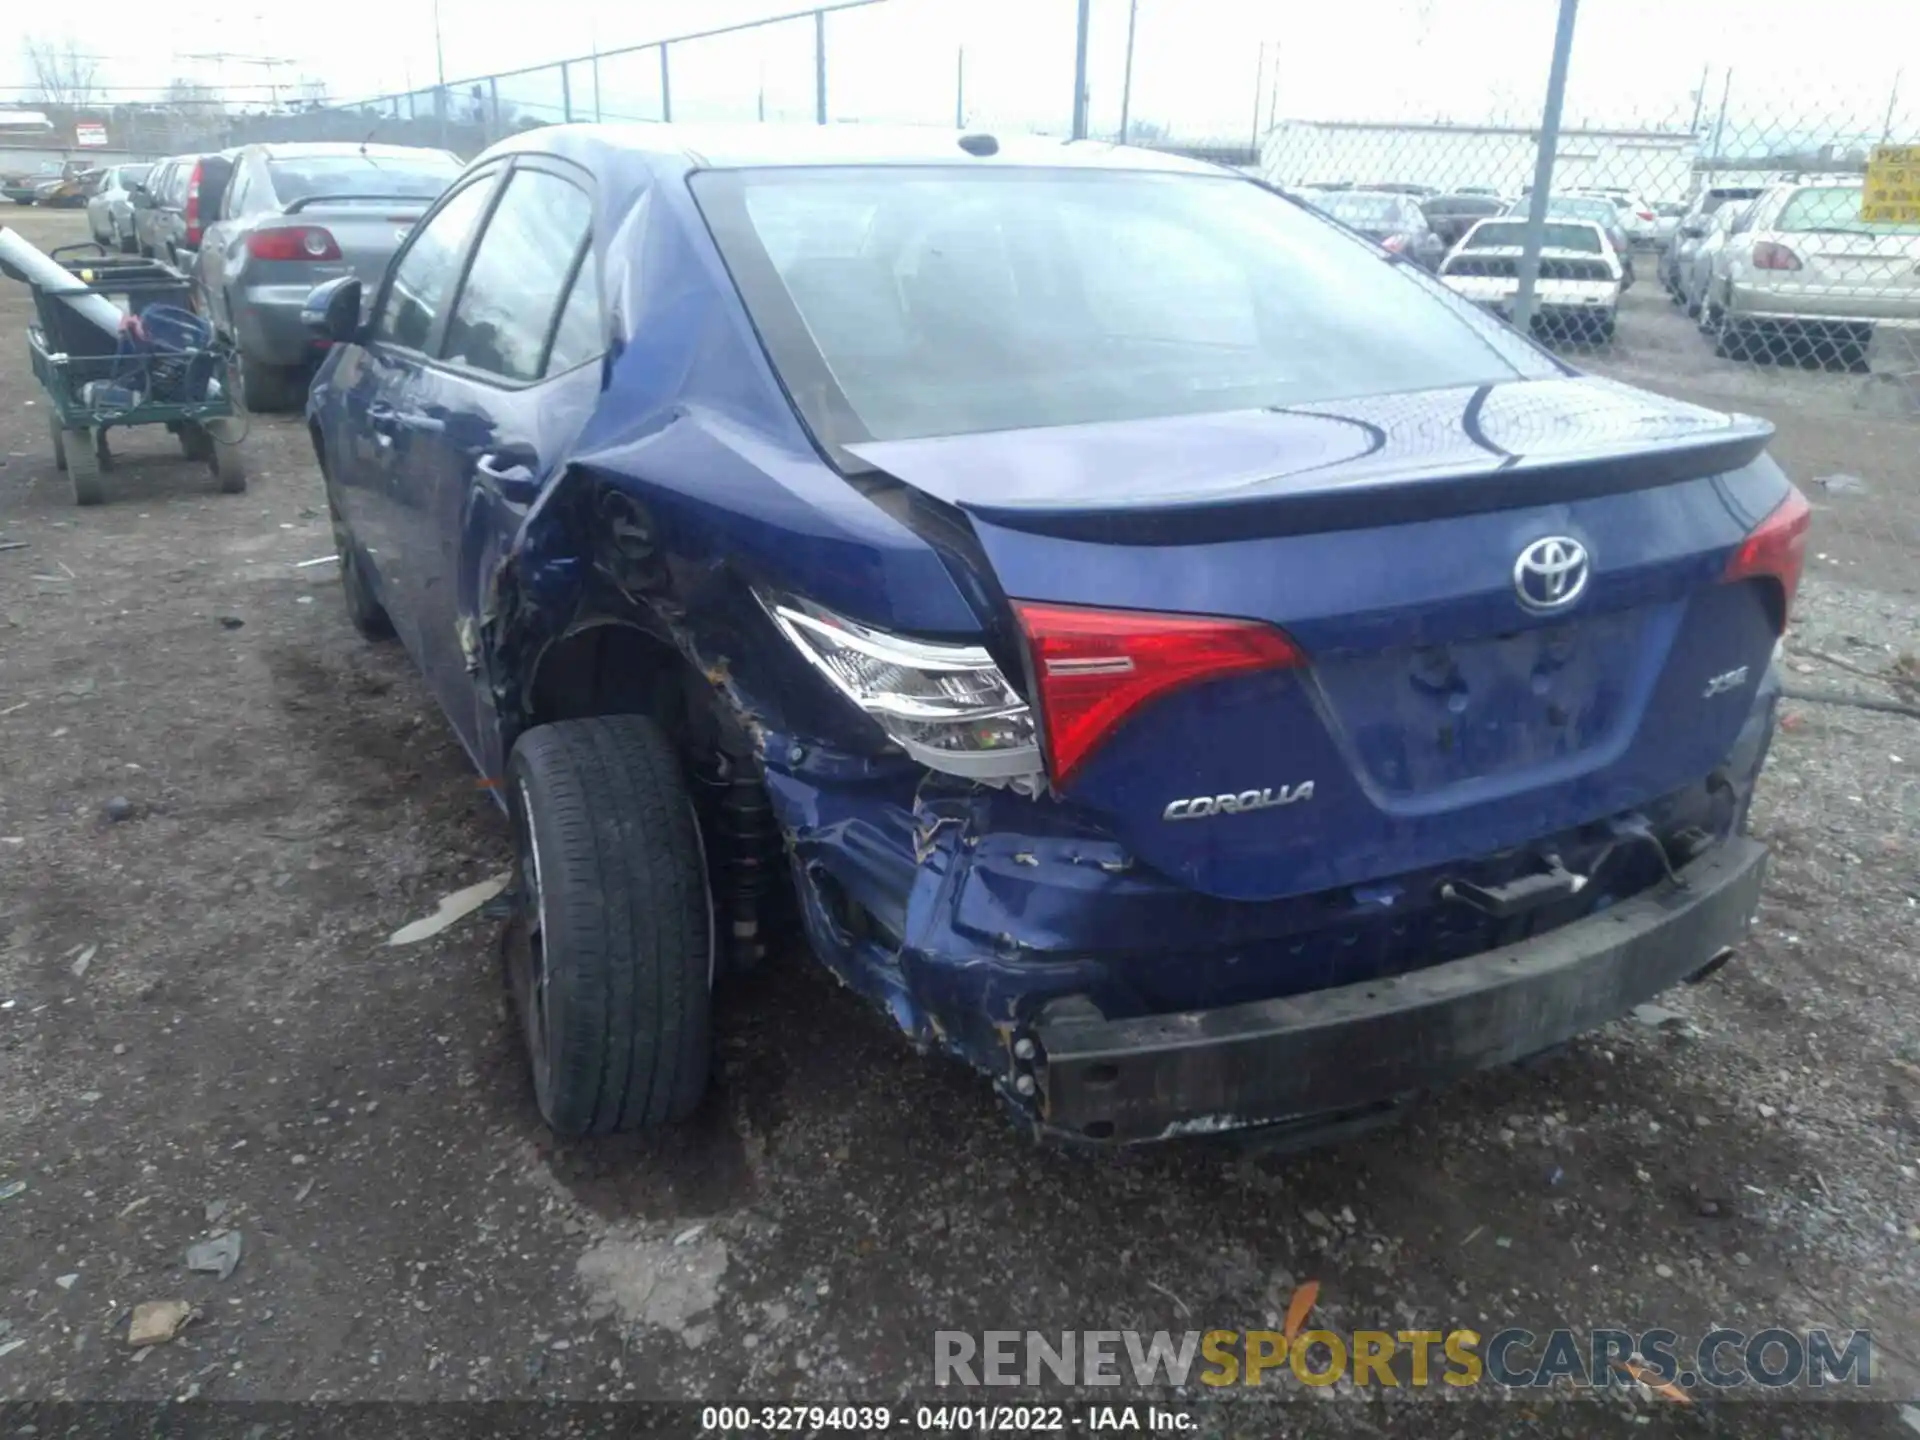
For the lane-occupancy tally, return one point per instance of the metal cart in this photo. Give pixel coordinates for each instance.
(96, 382)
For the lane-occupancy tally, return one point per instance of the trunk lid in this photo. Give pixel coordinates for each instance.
(1437, 716)
(368, 233)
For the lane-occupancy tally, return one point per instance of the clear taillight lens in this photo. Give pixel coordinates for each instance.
(948, 706)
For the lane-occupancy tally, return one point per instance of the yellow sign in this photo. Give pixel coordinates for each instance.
(1892, 193)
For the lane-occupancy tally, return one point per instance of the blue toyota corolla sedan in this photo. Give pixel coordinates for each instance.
(1158, 646)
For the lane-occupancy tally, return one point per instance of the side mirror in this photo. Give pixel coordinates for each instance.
(139, 198)
(332, 310)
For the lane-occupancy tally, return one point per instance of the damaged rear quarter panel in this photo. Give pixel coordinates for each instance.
(691, 482)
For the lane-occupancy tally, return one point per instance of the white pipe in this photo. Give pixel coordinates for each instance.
(31, 262)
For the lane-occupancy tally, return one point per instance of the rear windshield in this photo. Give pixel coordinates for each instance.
(1716, 198)
(1365, 210)
(1574, 207)
(373, 176)
(1834, 207)
(903, 303)
(1461, 205)
(1491, 233)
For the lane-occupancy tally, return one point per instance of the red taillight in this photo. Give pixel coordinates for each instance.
(1094, 668)
(1776, 549)
(1771, 255)
(1394, 243)
(193, 208)
(1644, 214)
(295, 242)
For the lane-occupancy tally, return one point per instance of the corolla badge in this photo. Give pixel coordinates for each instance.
(1552, 573)
(1199, 807)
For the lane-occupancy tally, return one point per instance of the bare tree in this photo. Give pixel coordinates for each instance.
(61, 73)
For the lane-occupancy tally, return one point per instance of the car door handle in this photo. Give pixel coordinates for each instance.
(509, 474)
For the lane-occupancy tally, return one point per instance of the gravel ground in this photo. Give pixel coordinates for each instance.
(202, 1029)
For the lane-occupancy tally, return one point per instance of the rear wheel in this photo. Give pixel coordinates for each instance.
(84, 466)
(265, 389)
(59, 439)
(221, 450)
(611, 956)
(364, 611)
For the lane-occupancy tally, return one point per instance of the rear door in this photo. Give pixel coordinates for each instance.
(513, 385)
(380, 388)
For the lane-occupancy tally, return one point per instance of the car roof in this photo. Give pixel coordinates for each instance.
(313, 149)
(735, 147)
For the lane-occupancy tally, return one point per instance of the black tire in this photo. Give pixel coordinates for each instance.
(614, 933)
(367, 614)
(266, 389)
(224, 457)
(195, 442)
(83, 468)
(59, 438)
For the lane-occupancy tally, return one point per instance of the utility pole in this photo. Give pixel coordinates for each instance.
(960, 88)
(1543, 167)
(819, 67)
(439, 76)
(1893, 99)
(1126, 80)
(1699, 100)
(1080, 74)
(1259, 85)
(1719, 125)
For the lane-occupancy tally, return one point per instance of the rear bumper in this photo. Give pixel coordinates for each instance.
(1823, 305)
(1341, 1050)
(267, 325)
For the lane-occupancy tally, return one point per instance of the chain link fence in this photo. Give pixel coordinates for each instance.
(1721, 239)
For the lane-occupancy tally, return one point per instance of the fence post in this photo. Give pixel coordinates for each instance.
(566, 91)
(666, 85)
(493, 98)
(819, 67)
(1080, 74)
(1543, 168)
(597, 116)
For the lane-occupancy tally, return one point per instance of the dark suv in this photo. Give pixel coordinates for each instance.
(170, 211)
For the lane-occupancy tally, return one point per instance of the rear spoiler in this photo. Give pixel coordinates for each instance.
(405, 202)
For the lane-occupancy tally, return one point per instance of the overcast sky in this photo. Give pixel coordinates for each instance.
(1196, 63)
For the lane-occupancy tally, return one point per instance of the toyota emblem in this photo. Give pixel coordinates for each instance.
(1552, 573)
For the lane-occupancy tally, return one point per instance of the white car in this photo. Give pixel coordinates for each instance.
(1577, 292)
(1801, 267)
(1637, 217)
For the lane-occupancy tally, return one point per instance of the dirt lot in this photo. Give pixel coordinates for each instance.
(201, 1029)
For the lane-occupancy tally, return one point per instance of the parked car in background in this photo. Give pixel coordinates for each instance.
(1666, 221)
(1596, 209)
(1803, 270)
(47, 184)
(70, 189)
(1695, 223)
(1235, 691)
(1451, 216)
(174, 203)
(290, 217)
(23, 186)
(1637, 219)
(1389, 219)
(1698, 271)
(1576, 292)
(1400, 187)
(110, 208)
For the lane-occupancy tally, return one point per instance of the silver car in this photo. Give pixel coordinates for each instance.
(1695, 221)
(110, 207)
(1801, 266)
(291, 217)
(1697, 267)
